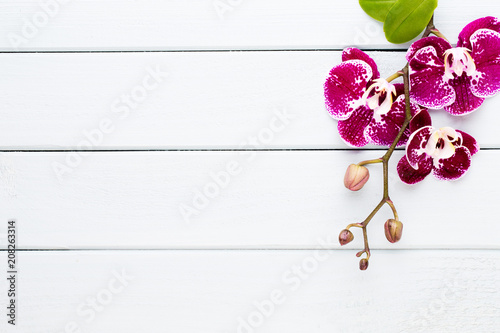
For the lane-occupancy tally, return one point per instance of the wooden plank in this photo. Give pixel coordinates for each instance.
(208, 100)
(270, 291)
(199, 24)
(267, 199)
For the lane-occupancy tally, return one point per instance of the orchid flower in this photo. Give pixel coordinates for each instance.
(457, 78)
(369, 109)
(446, 151)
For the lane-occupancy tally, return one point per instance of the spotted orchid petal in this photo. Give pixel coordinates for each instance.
(486, 54)
(352, 53)
(465, 101)
(428, 85)
(345, 86)
(416, 146)
(440, 45)
(488, 22)
(453, 167)
(468, 141)
(383, 129)
(410, 175)
(352, 130)
(421, 119)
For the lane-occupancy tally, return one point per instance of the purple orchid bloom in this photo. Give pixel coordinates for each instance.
(446, 152)
(369, 109)
(460, 78)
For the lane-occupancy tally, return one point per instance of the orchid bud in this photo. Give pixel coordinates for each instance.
(393, 230)
(355, 177)
(363, 264)
(345, 237)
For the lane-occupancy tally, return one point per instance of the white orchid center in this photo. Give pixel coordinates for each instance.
(382, 91)
(440, 144)
(457, 61)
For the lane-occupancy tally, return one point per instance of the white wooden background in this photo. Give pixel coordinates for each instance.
(238, 90)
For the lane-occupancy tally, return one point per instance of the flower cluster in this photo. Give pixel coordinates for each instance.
(373, 110)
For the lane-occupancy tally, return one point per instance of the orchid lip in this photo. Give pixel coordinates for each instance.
(441, 143)
(461, 62)
(379, 87)
(438, 144)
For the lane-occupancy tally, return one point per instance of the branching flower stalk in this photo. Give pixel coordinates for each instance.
(393, 226)
(371, 110)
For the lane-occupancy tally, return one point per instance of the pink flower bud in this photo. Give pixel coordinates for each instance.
(355, 177)
(363, 264)
(393, 230)
(345, 237)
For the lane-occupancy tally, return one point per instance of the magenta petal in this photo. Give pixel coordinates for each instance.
(469, 142)
(485, 46)
(465, 101)
(488, 22)
(416, 145)
(345, 87)
(409, 175)
(420, 119)
(400, 88)
(486, 55)
(352, 53)
(428, 86)
(453, 167)
(383, 130)
(352, 130)
(439, 44)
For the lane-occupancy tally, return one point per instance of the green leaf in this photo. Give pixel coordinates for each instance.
(407, 19)
(377, 9)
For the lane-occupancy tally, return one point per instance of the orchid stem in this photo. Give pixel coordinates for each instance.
(376, 160)
(430, 27)
(394, 211)
(372, 214)
(394, 76)
(438, 33)
(367, 248)
(385, 159)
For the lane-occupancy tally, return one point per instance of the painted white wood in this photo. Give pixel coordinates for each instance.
(208, 100)
(273, 227)
(209, 291)
(284, 199)
(196, 24)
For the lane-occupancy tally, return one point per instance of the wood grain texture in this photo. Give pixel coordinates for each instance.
(196, 24)
(275, 200)
(211, 291)
(208, 100)
(214, 181)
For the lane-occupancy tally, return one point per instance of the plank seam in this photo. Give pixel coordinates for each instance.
(201, 51)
